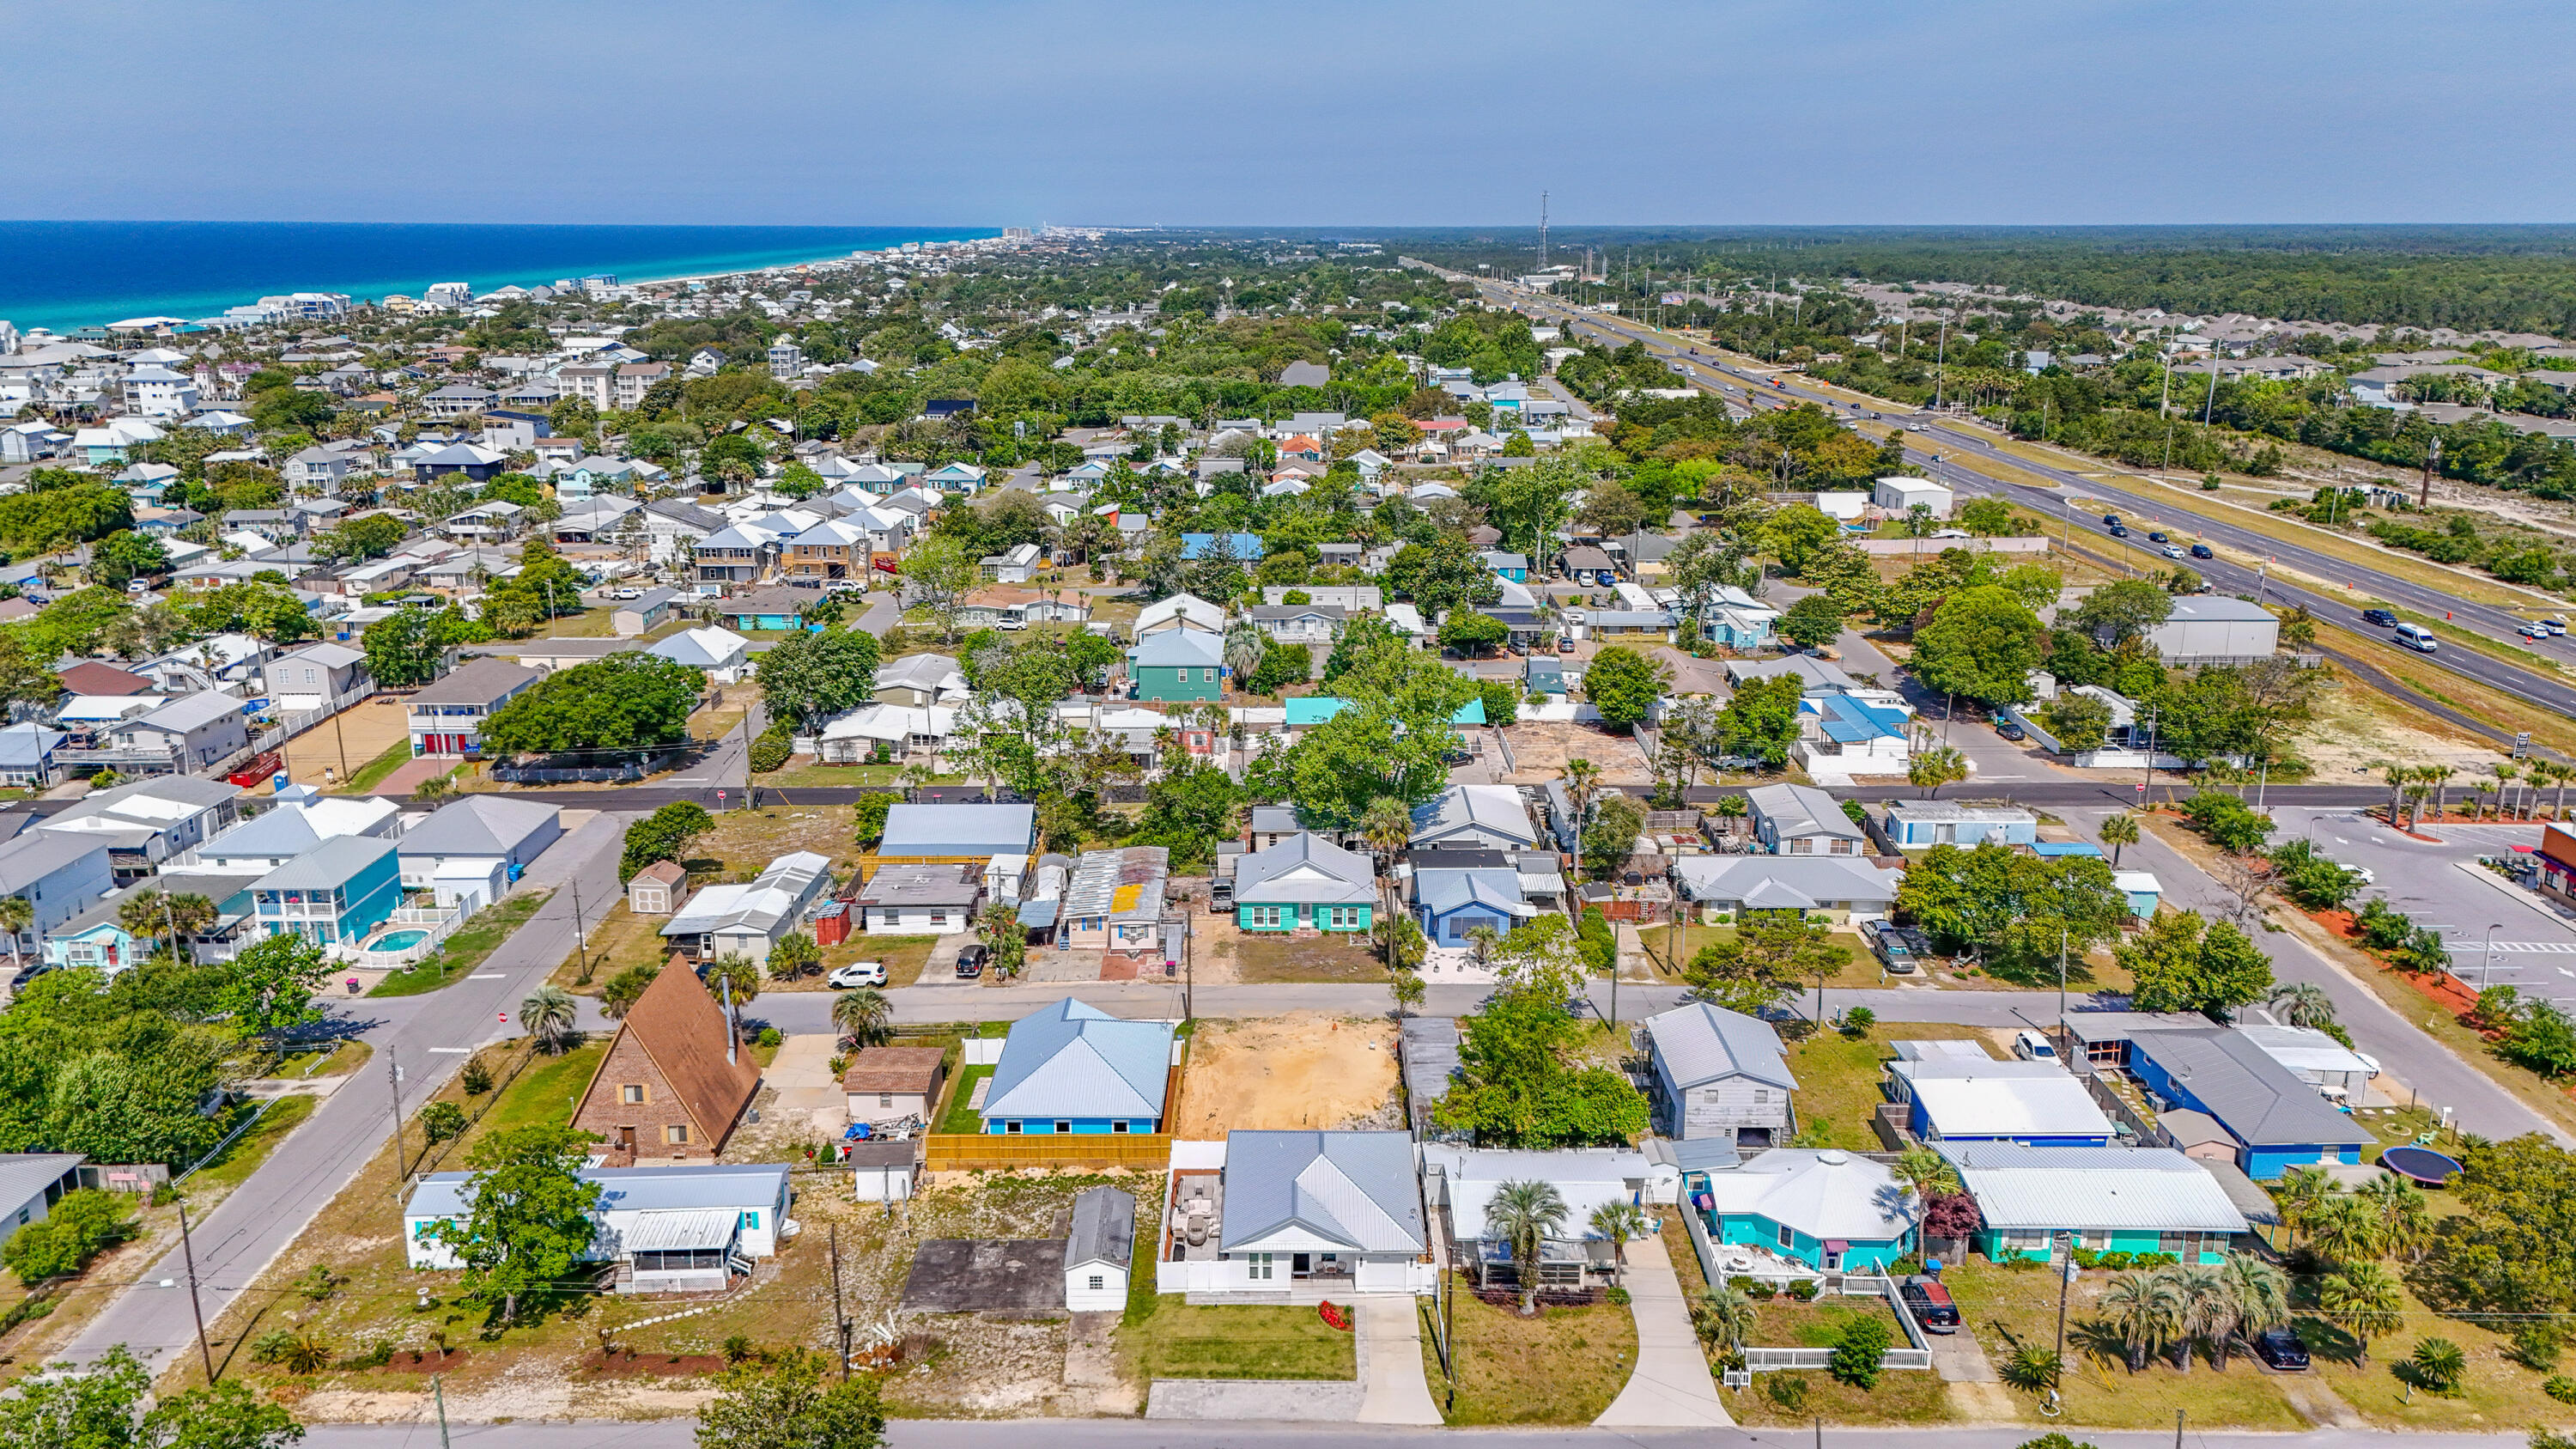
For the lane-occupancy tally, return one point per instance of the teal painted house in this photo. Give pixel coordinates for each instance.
(1833, 1211)
(340, 890)
(1305, 711)
(1179, 665)
(2037, 1201)
(1305, 883)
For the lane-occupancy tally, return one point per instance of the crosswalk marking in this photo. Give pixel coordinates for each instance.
(2526, 948)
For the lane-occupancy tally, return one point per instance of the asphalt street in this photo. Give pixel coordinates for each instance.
(428, 1037)
(1174, 1434)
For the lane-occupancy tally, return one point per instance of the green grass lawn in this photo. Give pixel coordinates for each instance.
(470, 945)
(252, 1148)
(1172, 1340)
(1839, 1076)
(545, 1092)
(961, 1115)
(1561, 1366)
(373, 772)
(810, 774)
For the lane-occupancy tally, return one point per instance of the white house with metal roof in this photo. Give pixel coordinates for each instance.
(722, 653)
(470, 852)
(723, 920)
(1489, 817)
(1963, 1099)
(1839, 887)
(1073, 1068)
(300, 822)
(682, 1229)
(1325, 1214)
(2039, 1201)
(31, 1183)
(1719, 1073)
(146, 822)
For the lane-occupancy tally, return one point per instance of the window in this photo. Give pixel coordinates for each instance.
(1011, 1127)
(1118, 1126)
(1761, 1096)
(1711, 1096)
(677, 1134)
(1258, 1268)
(1265, 917)
(1802, 846)
(939, 918)
(1095, 1282)
(1788, 1236)
(1063, 1127)
(1345, 918)
(885, 1099)
(631, 1094)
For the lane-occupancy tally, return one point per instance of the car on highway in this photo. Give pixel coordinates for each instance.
(2554, 626)
(2158, 538)
(2110, 520)
(2381, 617)
(857, 973)
(2532, 631)
(2170, 551)
(2279, 1348)
(2201, 550)
(2119, 530)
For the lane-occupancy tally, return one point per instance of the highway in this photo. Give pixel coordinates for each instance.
(1949, 451)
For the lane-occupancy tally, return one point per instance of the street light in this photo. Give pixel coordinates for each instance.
(2487, 968)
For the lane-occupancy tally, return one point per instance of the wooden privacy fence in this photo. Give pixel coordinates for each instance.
(969, 1151)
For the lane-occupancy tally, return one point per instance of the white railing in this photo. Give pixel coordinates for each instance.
(436, 925)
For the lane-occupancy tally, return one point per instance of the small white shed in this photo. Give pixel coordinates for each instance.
(1899, 495)
(1099, 1251)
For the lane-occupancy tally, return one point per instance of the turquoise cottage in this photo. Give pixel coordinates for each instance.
(1305, 883)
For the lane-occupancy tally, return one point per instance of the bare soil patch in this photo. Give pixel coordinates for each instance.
(2358, 728)
(1540, 749)
(1287, 1073)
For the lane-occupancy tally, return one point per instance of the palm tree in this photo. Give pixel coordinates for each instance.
(2366, 1301)
(1723, 1315)
(1619, 1221)
(2344, 1230)
(1387, 827)
(1582, 778)
(1244, 646)
(2416, 795)
(2505, 775)
(2258, 1297)
(865, 1015)
(2299, 1192)
(17, 913)
(548, 1014)
(2302, 1004)
(1525, 1214)
(188, 914)
(2130, 1302)
(1933, 768)
(734, 972)
(2118, 831)
(2439, 777)
(2206, 1309)
(140, 915)
(2397, 778)
(2398, 1205)
(1925, 1172)
(2560, 776)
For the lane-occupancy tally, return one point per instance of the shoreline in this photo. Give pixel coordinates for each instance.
(392, 275)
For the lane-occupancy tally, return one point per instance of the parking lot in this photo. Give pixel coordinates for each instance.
(2441, 886)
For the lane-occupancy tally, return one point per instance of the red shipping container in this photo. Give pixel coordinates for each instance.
(832, 924)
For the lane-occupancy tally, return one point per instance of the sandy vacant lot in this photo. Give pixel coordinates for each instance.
(2357, 727)
(357, 734)
(1541, 748)
(1287, 1073)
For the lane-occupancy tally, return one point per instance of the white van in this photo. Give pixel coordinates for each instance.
(2417, 638)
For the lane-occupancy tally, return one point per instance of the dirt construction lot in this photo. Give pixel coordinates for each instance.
(1287, 1073)
(1540, 749)
(357, 734)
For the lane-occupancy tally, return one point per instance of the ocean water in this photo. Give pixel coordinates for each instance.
(69, 274)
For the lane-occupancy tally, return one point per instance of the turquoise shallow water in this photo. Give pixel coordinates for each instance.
(69, 274)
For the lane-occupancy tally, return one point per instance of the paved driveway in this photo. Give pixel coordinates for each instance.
(1670, 1387)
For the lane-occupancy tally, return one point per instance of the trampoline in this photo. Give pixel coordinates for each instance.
(2420, 1164)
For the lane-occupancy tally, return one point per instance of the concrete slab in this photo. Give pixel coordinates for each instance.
(1393, 1388)
(1671, 1388)
(1000, 1275)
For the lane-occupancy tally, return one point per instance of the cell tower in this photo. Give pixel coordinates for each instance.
(1542, 231)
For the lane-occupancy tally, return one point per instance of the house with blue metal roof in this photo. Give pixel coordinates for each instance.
(1842, 734)
(1073, 1068)
(1452, 904)
(2276, 1119)
(1241, 547)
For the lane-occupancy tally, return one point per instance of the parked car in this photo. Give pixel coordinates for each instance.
(858, 973)
(2011, 730)
(1901, 949)
(970, 961)
(2281, 1349)
(2034, 1046)
(1931, 1305)
(2201, 550)
(1564, 643)
(2383, 618)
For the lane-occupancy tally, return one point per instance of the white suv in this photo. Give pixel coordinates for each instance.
(858, 973)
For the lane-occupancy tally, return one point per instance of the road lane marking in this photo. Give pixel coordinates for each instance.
(488, 976)
(456, 1051)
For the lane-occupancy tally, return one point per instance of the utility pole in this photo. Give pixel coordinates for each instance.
(581, 947)
(343, 742)
(2065, 1276)
(393, 1089)
(438, 1394)
(188, 1250)
(840, 1320)
(2432, 460)
(1542, 231)
(2061, 981)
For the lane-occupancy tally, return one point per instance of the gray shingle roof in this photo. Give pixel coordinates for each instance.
(1104, 1229)
(1354, 1188)
(1705, 1043)
(2256, 1098)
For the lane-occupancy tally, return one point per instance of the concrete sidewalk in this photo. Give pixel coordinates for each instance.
(1394, 1388)
(1671, 1388)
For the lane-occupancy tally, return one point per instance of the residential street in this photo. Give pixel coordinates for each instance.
(428, 1036)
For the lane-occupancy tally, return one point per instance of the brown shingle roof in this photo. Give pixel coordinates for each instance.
(91, 677)
(894, 1069)
(667, 872)
(683, 1030)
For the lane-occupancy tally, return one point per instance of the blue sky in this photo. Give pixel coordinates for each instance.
(1317, 113)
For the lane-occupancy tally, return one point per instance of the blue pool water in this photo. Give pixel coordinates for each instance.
(396, 940)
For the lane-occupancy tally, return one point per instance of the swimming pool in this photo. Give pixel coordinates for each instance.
(396, 940)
